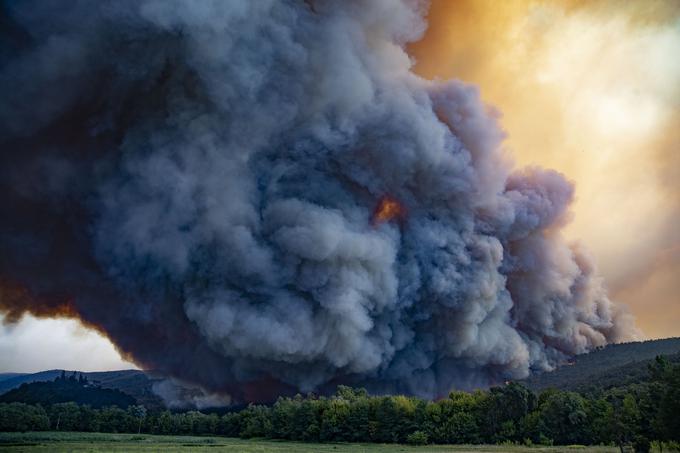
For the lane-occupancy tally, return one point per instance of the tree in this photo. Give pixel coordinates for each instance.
(626, 415)
(255, 422)
(667, 378)
(564, 417)
(165, 424)
(113, 419)
(454, 419)
(230, 425)
(307, 420)
(23, 417)
(350, 394)
(359, 420)
(65, 416)
(283, 413)
(504, 408)
(138, 412)
(599, 413)
(334, 423)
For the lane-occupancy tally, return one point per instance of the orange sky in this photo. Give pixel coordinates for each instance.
(592, 89)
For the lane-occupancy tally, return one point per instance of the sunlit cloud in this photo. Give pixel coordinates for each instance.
(591, 89)
(41, 344)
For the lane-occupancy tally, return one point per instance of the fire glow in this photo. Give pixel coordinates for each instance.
(230, 234)
(387, 209)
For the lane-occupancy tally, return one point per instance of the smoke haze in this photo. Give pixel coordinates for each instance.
(591, 88)
(199, 181)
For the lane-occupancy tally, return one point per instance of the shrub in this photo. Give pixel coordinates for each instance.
(641, 444)
(417, 438)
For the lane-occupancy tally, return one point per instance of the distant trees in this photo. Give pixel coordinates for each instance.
(665, 392)
(138, 412)
(615, 365)
(64, 389)
(23, 417)
(629, 415)
(503, 409)
(456, 419)
(564, 418)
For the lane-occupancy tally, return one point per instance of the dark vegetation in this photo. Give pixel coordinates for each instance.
(135, 383)
(633, 414)
(612, 366)
(64, 389)
(618, 395)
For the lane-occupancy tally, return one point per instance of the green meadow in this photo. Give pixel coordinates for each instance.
(94, 442)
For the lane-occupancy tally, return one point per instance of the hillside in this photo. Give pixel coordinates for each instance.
(135, 383)
(613, 365)
(5, 376)
(66, 389)
(14, 380)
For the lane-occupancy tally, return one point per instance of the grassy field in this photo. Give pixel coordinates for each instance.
(94, 442)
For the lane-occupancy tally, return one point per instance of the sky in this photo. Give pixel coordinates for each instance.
(591, 89)
(34, 345)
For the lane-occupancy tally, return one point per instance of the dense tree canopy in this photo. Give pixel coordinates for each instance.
(67, 389)
(633, 414)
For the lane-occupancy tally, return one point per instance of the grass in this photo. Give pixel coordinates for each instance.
(100, 442)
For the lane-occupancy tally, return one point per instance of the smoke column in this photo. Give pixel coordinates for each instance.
(256, 197)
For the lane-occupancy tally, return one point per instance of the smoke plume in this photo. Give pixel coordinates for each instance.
(257, 197)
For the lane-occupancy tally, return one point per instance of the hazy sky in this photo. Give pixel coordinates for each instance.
(43, 344)
(591, 89)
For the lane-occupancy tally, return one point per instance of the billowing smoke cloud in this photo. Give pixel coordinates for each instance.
(199, 180)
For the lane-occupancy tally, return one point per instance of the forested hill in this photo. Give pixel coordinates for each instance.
(637, 409)
(67, 389)
(135, 383)
(612, 366)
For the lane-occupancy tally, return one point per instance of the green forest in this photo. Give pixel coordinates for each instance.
(636, 414)
(68, 389)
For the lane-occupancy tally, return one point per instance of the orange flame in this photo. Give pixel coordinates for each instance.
(388, 208)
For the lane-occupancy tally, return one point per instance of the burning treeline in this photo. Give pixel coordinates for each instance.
(254, 197)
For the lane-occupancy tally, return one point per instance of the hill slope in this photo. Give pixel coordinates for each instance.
(135, 383)
(14, 380)
(5, 376)
(67, 389)
(613, 365)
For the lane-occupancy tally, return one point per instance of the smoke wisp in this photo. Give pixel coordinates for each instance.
(199, 180)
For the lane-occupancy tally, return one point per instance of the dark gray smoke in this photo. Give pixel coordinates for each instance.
(199, 181)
